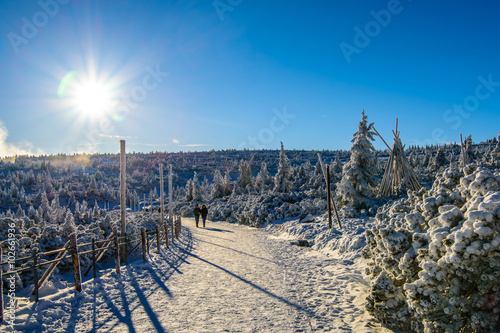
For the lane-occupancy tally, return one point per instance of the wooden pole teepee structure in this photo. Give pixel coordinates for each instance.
(398, 171)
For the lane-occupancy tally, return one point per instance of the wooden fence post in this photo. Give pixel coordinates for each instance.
(1, 288)
(76, 262)
(101, 252)
(123, 197)
(157, 238)
(329, 196)
(147, 243)
(93, 258)
(35, 274)
(52, 266)
(143, 240)
(172, 221)
(162, 207)
(117, 249)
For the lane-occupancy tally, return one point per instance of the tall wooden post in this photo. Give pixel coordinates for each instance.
(123, 198)
(76, 263)
(1, 288)
(329, 196)
(170, 198)
(93, 258)
(35, 274)
(162, 206)
(117, 249)
(158, 246)
(143, 241)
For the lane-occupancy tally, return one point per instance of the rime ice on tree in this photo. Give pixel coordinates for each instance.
(357, 184)
(281, 178)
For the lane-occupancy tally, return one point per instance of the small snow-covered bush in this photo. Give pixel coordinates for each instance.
(435, 256)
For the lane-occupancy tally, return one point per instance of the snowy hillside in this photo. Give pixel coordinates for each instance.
(416, 255)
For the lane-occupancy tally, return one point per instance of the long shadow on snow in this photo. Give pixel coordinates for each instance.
(175, 257)
(216, 229)
(271, 294)
(241, 252)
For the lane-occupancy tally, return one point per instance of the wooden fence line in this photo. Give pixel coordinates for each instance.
(113, 240)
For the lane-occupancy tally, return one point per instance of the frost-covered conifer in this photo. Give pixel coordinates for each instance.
(205, 187)
(439, 159)
(466, 154)
(263, 177)
(495, 153)
(227, 184)
(72, 201)
(44, 210)
(68, 227)
(317, 169)
(20, 212)
(337, 165)
(197, 196)
(357, 184)
(96, 212)
(245, 177)
(217, 189)
(189, 190)
(32, 214)
(281, 183)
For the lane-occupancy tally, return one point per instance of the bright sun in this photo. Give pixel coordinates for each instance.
(93, 98)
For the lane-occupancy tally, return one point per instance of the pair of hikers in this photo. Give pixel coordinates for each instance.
(203, 211)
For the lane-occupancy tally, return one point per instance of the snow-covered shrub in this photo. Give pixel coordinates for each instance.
(435, 256)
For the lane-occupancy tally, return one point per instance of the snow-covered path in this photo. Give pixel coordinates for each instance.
(223, 278)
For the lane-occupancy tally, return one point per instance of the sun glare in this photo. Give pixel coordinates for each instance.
(93, 98)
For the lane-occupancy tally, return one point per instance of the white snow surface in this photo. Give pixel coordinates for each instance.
(223, 278)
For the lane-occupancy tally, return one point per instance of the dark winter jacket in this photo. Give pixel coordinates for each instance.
(204, 212)
(196, 211)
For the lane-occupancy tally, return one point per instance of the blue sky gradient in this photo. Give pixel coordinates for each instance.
(247, 74)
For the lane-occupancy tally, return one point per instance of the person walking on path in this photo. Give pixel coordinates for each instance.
(197, 213)
(204, 213)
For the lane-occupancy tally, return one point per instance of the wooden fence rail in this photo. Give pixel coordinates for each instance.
(112, 241)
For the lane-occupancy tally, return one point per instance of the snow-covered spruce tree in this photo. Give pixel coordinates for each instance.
(357, 185)
(245, 177)
(337, 165)
(439, 159)
(197, 196)
(205, 187)
(44, 210)
(189, 191)
(466, 154)
(216, 188)
(263, 179)
(495, 153)
(227, 184)
(281, 184)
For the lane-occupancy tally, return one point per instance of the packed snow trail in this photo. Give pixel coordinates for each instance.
(223, 278)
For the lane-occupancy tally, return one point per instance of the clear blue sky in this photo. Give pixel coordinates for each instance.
(246, 73)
